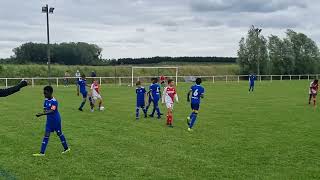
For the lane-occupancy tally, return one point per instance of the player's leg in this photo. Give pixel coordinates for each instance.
(193, 118)
(149, 104)
(92, 102)
(310, 98)
(44, 143)
(100, 102)
(314, 99)
(156, 104)
(137, 111)
(170, 117)
(84, 100)
(62, 139)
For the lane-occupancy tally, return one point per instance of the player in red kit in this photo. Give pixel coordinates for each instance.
(95, 96)
(162, 80)
(168, 98)
(313, 91)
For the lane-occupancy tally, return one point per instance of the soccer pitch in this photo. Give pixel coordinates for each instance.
(269, 134)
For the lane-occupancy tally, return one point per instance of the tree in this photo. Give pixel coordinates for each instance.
(253, 53)
(281, 55)
(305, 52)
(64, 53)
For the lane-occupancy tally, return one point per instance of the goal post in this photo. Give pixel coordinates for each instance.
(133, 68)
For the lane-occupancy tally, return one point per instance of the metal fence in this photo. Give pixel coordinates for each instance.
(127, 81)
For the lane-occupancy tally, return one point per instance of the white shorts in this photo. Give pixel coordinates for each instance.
(96, 97)
(169, 105)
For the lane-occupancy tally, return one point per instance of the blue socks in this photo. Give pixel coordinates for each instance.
(137, 112)
(193, 118)
(63, 142)
(82, 104)
(44, 144)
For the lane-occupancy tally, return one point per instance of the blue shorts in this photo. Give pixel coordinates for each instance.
(84, 94)
(195, 107)
(251, 84)
(140, 105)
(53, 126)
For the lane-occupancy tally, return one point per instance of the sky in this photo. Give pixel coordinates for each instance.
(146, 28)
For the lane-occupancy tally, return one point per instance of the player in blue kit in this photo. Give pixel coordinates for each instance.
(53, 121)
(154, 97)
(196, 92)
(141, 97)
(81, 87)
(252, 79)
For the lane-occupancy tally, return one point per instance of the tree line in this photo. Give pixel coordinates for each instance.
(294, 54)
(90, 54)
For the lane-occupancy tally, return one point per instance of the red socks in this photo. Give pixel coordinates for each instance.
(169, 119)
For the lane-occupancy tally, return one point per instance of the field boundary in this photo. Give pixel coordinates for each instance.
(129, 80)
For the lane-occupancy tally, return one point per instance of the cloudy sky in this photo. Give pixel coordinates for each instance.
(140, 28)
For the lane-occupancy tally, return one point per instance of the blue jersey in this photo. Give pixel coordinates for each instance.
(141, 95)
(197, 91)
(252, 78)
(52, 104)
(155, 91)
(82, 84)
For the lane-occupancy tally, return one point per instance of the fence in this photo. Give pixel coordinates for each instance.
(127, 81)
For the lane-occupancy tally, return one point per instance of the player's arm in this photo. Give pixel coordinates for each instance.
(78, 89)
(47, 112)
(176, 97)
(12, 90)
(188, 96)
(163, 97)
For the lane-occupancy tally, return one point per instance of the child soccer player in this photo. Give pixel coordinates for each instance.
(53, 121)
(154, 97)
(169, 95)
(141, 97)
(252, 78)
(95, 95)
(197, 92)
(313, 91)
(81, 86)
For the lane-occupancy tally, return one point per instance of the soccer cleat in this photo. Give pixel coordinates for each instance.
(170, 126)
(66, 151)
(137, 118)
(151, 115)
(38, 155)
(92, 110)
(80, 109)
(159, 117)
(190, 130)
(188, 121)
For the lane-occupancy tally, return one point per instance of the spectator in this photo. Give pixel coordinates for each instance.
(78, 76)
(66, 79)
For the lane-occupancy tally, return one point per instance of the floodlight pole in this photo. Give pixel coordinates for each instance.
(48, 10)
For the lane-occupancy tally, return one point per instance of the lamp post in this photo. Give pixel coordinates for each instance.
(47, 11)
(258, 31)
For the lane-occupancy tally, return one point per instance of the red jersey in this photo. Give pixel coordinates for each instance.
(169, 94)
(314, 87)
(95, 86)
(162, 78)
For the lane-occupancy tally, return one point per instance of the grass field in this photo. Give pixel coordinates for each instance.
(270, 134)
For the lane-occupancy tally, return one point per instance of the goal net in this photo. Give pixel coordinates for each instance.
(145, 74)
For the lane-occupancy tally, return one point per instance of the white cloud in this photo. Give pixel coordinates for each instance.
(139, 28)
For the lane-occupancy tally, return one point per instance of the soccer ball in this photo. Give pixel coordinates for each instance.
(101, 108)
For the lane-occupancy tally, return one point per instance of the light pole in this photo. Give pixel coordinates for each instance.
(47, 10)
(258, 31)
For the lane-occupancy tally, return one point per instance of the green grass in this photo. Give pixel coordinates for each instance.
(270, 134)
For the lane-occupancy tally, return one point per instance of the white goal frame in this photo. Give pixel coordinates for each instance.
(145, 67)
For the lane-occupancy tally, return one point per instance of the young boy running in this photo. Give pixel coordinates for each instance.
(313, 91)
(169, 95)
(196, 92)
(95, 96)
(53, 121)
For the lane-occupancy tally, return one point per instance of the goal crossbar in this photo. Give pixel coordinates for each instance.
(146, 67)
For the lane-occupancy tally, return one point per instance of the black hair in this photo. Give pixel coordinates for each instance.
(316, 81)
(170, 81)
(198, 81)
(138, 83)
(48, 89)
